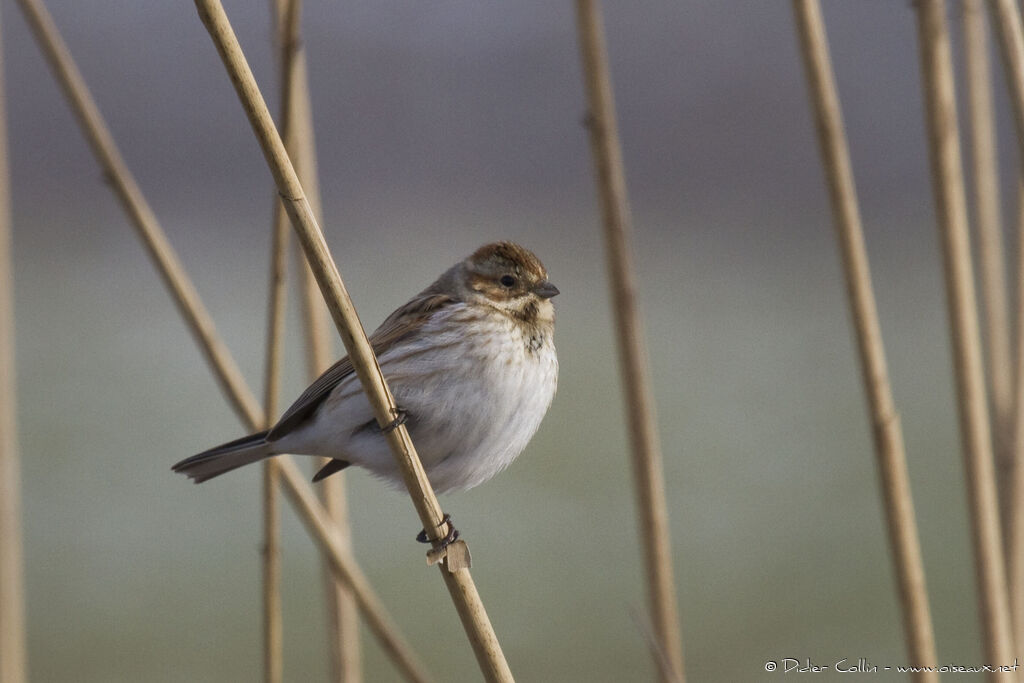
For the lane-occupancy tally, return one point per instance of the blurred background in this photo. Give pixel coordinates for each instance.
(442, 126)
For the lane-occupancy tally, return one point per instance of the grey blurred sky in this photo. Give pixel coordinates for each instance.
(466, 104)
(441, 126)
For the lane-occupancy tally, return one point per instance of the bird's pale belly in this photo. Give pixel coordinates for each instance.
(468, 421)
(485, 422)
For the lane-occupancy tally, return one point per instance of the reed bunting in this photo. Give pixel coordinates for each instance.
(471, 363)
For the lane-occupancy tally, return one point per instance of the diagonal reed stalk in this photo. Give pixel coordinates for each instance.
(455, 571)
(989, 231)
(13, 666)
(1006, 21)
(951, 211)
(237, 392)
(888, 435)
(297, 128)
(646, 450)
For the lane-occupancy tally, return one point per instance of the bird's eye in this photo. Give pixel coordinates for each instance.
(508, 281)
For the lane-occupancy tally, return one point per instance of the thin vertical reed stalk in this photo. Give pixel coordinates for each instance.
(273, 645)
(273, 628)
(646, 450)
(273, 657)
(460, 584)
(236, 391)
(989, 231)
(1015, 553)
(316, 318)
(325, 535)
(888, 435)
(1006, 22)
(951, 210)
(13, 667)
(297, 129)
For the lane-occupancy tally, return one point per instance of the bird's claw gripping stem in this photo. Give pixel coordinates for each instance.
(451, 537)
(401, 417)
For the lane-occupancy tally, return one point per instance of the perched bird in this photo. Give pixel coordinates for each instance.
(472, 366)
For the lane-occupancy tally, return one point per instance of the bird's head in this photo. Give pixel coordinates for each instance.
(510, 278)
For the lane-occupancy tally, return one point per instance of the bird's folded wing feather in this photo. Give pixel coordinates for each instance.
(399, 325)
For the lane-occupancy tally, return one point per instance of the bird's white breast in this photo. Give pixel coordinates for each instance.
(476, 388)
(498, 395)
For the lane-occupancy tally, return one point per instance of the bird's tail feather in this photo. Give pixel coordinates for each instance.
(226, 457)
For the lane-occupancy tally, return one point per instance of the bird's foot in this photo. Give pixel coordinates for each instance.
(454, 552)
(451, 537)
(401, 417)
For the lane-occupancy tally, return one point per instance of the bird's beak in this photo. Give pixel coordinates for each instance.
(545, 289)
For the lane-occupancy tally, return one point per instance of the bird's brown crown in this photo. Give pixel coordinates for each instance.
(503, 256)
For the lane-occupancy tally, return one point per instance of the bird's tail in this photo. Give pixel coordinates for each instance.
(226, 457)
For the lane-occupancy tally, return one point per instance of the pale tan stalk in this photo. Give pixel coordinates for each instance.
(236, 390)
(1015, 553)
(326, 536)
(273, 644)
(317, 320)
(951, 210)
(13, 666)
(297, 129)
(273, 629)
(1006, 23)
(458, 580)
(646, 449)
(885, 421)
(989, 231)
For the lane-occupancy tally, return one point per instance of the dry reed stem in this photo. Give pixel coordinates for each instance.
(989, 230)
(273, 656)
(951, 211)
(273, 629)
(1006, 22)
(888, 436)
(316, 318)
(340, 559)
(273, 645)
(342, 611)
(13, 666)
(236, 391)
(646, 450)
(296, 110)
(459, 582)
(142, 219)
(273, 637)
(1015, 553)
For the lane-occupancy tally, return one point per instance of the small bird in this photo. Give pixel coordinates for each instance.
(472, 366)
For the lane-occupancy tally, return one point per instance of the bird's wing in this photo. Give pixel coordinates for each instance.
(399, 325)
